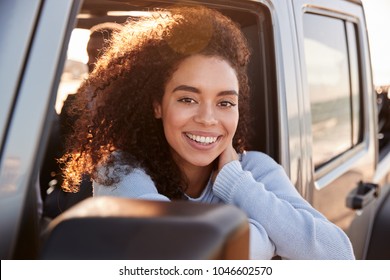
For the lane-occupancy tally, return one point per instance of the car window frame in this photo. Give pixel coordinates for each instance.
(349, 34)
(19, 18)
(333, 169)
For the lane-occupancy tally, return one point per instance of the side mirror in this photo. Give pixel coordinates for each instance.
(120, 228)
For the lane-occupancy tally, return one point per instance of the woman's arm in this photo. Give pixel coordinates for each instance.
(260, 187)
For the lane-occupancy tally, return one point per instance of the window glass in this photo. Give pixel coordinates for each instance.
(332, 73)
(75, 69)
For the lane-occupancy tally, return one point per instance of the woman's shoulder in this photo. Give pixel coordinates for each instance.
(258, 163)
(126, 181)
(117, 166)
(256, 157)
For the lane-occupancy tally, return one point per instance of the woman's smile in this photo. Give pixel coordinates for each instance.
(204, 140)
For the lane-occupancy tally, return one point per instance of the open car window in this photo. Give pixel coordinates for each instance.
(255, 22)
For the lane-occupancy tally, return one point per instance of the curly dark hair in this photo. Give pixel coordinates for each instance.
(114, 106)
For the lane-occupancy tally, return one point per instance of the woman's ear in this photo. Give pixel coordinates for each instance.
(157, 109)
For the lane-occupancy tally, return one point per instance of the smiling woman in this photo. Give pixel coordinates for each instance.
(123, 117)
(164, 116)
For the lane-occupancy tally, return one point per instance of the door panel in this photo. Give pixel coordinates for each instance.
(339, 100)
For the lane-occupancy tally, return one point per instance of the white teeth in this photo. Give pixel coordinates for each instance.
(202, 139)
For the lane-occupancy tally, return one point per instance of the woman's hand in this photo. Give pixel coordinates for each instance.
(228, 155)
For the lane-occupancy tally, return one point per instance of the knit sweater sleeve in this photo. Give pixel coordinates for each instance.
(278, 215)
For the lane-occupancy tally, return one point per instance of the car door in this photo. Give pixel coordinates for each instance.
(34, 33)
(339, 108)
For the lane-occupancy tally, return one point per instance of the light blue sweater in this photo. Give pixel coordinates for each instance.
(281, 221)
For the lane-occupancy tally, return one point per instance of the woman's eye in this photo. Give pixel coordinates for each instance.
(186, 100)
(227, 104)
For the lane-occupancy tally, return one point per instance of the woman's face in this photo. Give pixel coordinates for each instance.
(199, 110)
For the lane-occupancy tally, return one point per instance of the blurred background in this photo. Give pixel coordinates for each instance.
(378, 25)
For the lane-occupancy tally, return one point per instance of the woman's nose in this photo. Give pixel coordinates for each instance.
(206, 115)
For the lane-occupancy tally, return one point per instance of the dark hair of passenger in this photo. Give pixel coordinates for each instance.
(115, 104)
(98, 39)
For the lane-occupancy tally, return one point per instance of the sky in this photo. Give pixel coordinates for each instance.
(77, 49)
(378, 26)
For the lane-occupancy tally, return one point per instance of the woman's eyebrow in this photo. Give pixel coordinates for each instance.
(186, 88)
(228, 92)
(196, 90)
